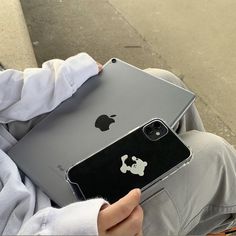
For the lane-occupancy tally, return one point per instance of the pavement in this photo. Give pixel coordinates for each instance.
(194, 39)
(15, 46)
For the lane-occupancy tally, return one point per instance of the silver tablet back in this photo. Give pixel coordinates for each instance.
(105, 108)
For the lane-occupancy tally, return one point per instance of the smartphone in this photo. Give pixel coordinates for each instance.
(141, 158)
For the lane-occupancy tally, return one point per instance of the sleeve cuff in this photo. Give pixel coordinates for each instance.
(78, 218)
(79, 68)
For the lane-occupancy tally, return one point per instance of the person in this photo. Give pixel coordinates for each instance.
(197, 199)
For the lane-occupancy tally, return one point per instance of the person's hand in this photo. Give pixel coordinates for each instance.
(99, 67)
(123, 218)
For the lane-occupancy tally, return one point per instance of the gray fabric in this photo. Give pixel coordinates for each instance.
(201, 197)
(6, 139)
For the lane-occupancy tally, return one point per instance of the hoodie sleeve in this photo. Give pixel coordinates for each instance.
(78, 218)
(24, 95)
(20, 202)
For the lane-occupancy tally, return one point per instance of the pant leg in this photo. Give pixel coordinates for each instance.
(200, 197)
(191, 119)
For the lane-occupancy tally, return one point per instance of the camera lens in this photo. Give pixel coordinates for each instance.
(156, 125)
(113, 60)
(148, 130)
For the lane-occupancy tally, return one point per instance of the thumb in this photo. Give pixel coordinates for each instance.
(120, 210)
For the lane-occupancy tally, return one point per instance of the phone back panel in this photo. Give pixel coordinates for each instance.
(134, 161)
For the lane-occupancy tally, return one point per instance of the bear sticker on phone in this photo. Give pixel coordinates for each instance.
(137, 168)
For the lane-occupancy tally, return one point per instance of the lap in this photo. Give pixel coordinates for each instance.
(199, 197)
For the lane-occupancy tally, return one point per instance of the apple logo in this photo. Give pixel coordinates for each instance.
(103, 122)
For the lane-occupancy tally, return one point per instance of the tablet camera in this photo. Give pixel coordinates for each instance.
(113, 60)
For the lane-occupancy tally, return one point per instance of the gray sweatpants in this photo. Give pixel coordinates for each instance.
(200, 197)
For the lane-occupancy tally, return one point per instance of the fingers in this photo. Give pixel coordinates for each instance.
(131, 226)
(99, 67)
(120, 210)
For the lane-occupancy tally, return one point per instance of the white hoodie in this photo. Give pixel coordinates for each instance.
(24, 209)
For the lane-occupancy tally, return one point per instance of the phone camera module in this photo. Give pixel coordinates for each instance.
(113, 60)
(157, 127)
(155, 130)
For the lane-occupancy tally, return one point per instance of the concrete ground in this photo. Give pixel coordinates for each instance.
(15, 47)
(194, 39)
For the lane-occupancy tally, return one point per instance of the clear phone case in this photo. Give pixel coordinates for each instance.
(141, 158)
